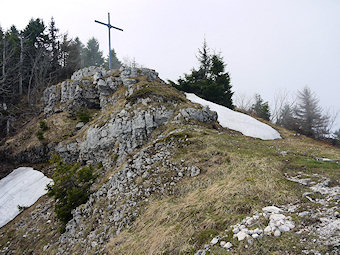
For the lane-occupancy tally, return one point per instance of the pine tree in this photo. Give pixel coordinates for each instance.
(309, 116)
(92, 55)
(116, 64)
(210, 81)
(286, 118)
(260, 108)
(336, 135)
(54, 44)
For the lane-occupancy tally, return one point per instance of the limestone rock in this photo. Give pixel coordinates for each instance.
(204, 115)
(271, 209)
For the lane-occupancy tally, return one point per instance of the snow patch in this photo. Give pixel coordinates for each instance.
(243, 123)
(23, 187)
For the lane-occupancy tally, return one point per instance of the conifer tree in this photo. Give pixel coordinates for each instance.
(115, 62)
(309, 116)
(210, 81)
(260, 108)
(92, 55)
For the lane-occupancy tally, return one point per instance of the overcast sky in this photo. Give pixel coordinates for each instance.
(268, 45)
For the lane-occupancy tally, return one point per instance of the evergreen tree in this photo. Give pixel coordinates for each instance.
(54, 44)
(70, 51)
(92, 55)
(71, 187)
(309, 116)
(210, 81)
(336, 135)
(260, 108)
(116, 64)
(286, 118)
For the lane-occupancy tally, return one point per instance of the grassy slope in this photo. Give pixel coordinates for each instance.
(240, 176)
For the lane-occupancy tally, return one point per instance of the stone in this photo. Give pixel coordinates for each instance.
(201, 115)
(277, 233)
(195, 171)
(236, 230)
(80, 125)
(222, 243)
(276, 217)
(255, 236)
(284, 228)
(268, 230)
(271, 209)
(241, 235)
(258, 231)
(214, 241)
(303, 214)
(228, 245)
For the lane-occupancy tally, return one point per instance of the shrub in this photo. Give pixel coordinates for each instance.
(43, 125)
(71, 187)
(84, 115)
(40, 135)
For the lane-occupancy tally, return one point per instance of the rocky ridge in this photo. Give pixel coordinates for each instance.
(138, 125)
(123, 131)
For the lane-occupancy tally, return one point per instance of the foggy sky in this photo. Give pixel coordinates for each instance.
(268, 45)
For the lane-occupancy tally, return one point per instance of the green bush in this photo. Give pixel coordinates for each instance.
(84, 115)
(40, 135)
(71, 187)
(43, 125)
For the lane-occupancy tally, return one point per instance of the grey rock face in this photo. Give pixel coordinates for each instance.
(79, 94)
(91, 88)
(51, 97)
(126, 131)
(88, 71)
(200, 115)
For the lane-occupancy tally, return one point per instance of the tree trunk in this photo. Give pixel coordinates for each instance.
(4, 59)
(20, 66)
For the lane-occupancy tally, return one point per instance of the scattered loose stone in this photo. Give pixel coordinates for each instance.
(228, 245)
(214, 241)
(277, 233)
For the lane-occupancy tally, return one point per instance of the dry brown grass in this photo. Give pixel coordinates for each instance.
(240, 176)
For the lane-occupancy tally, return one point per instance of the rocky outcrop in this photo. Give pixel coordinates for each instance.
(126, 129)
(149, 171)
(91, 88)
(126, 132)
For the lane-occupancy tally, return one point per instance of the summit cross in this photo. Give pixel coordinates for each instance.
(109, 27)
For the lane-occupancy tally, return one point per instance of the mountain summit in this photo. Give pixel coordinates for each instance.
(168, 177)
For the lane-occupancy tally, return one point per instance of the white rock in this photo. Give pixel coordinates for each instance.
(284, 228)
(241, 235)
(290, 224)
(277, 232)
(271, 209)
(277, 217)
(249, 221)
(228, 245)
(236, 230)
(268, 230)
(242, 227)
(258, 231)
(256, 217)
(214, 241)
(222, 243)
(302, 214)
(255, 236)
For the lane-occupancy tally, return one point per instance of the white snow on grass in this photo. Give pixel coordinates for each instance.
(23, 187)
(241, 122)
